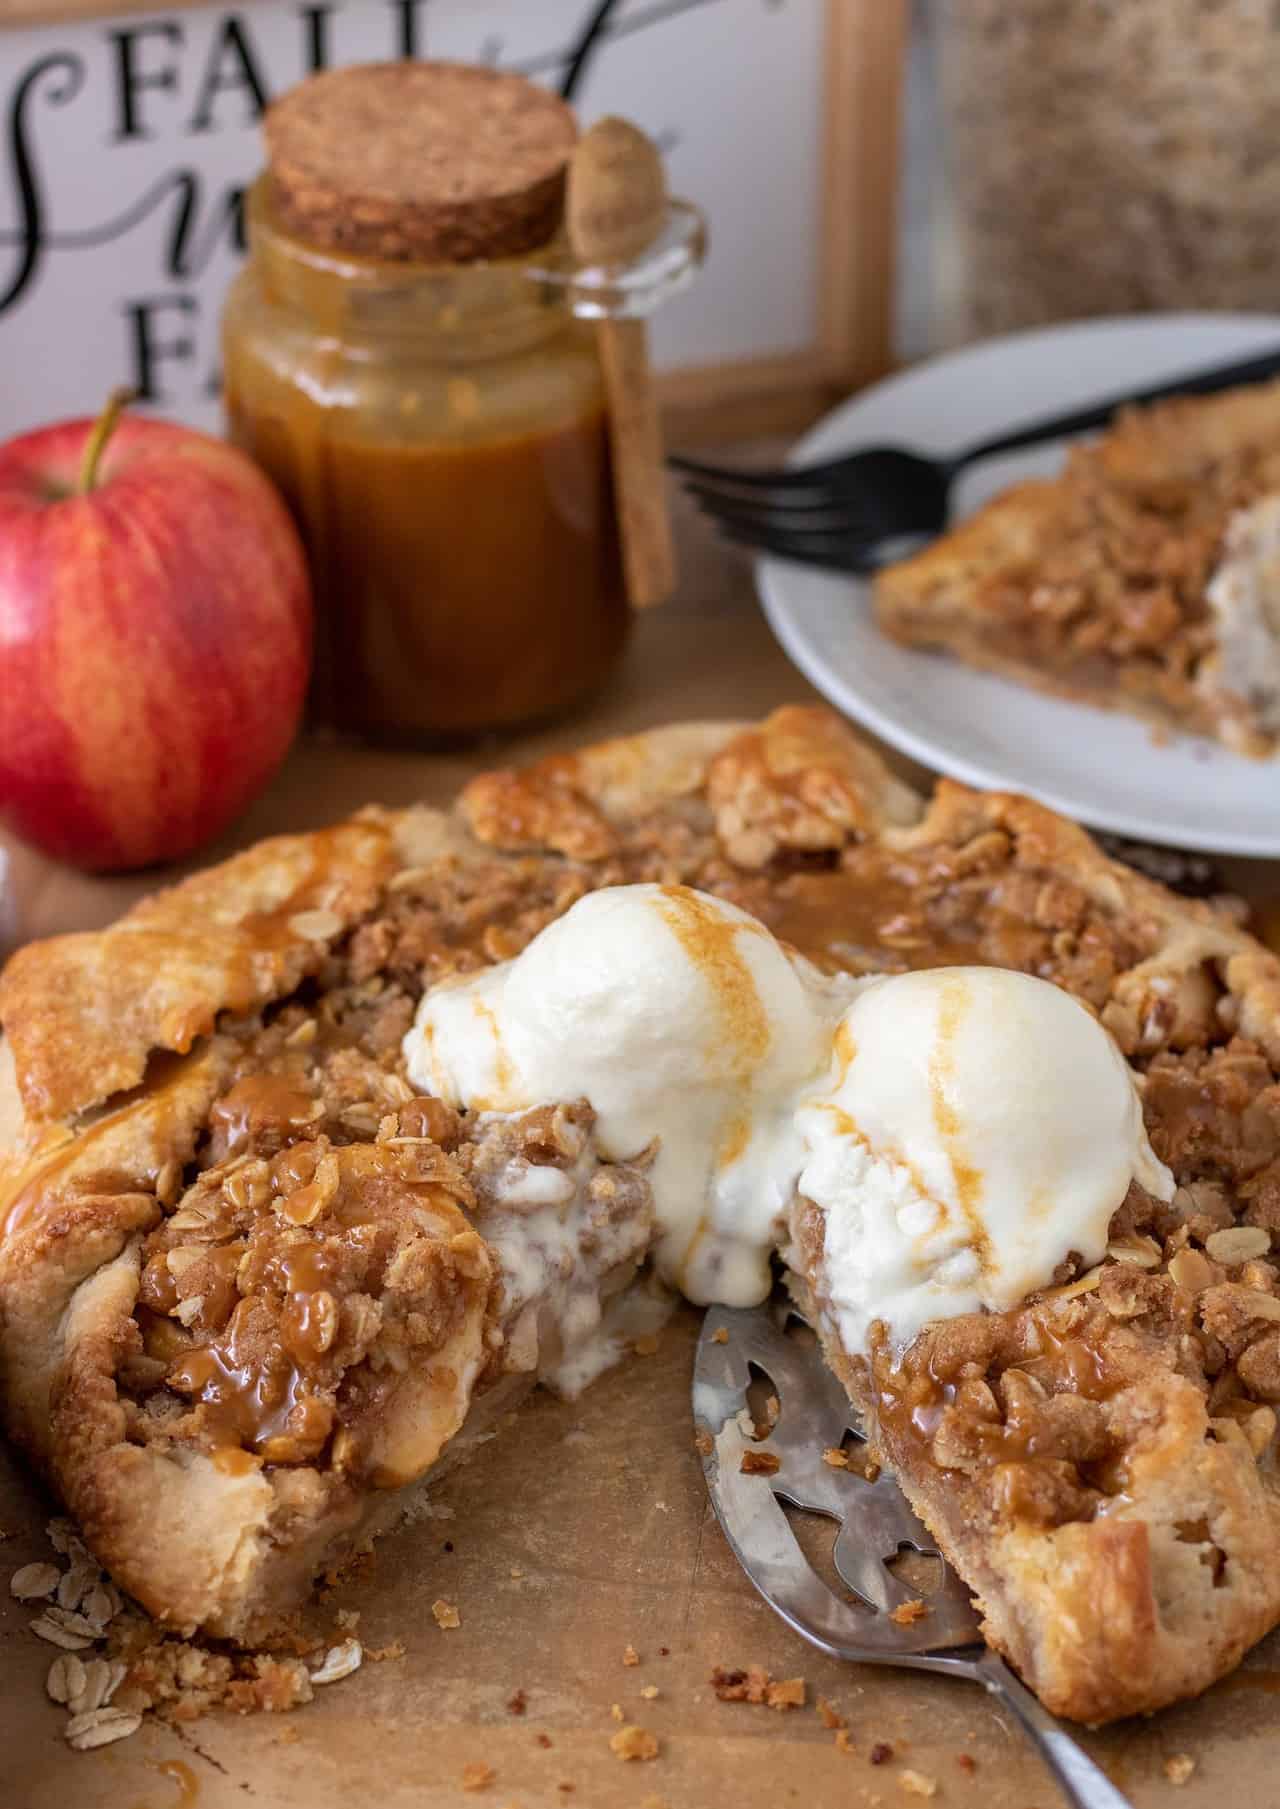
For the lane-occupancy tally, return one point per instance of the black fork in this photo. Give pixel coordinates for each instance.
(854, 512)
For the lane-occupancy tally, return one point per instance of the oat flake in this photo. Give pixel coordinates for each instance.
(66, 1678)
(33, 1582)
(339, 1661)
(99, 1727)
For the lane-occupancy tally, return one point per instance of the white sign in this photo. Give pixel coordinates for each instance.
(128, 143)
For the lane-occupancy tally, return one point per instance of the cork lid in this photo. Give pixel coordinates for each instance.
(429, 162)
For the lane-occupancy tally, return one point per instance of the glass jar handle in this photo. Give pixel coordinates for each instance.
(627, 291)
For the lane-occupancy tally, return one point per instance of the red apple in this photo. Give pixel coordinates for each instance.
(155, 637)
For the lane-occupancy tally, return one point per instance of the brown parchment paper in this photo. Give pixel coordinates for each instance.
(600, 1507)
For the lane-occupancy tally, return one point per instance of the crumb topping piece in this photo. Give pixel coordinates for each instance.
(633, 1742)
(757, 1686)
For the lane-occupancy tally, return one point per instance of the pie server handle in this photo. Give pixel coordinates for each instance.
(1084, 1784)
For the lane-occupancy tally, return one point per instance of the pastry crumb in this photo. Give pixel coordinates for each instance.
(838, 1459)
(446, 1615)
(759, 1463)
(649, 1691)
(915, 1783)
(633, 1742)
(843, 1742)
(516, 1572)
(703, 1443)
(288, 1734)
(831, 1718)
(647, 1345)
(348, 1619)
(1178, 1767)
(477, 1775)
(906, 1614)
(720, 1335)
(756, 1685)
(631, 1656)
(380, 1654)
(615, 1709)
(740, 1686)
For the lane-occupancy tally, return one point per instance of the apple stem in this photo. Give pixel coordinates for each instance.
(96, 444)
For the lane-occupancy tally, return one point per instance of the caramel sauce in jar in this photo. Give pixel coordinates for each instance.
(439, 432)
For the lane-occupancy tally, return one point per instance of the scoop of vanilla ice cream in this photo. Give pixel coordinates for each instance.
(692, 1033)
(979, 1126)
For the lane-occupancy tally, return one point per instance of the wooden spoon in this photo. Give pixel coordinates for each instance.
(614, 209)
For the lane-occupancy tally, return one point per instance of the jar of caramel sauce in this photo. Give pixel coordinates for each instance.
(428, 402)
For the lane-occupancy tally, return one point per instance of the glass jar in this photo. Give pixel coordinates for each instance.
(1102, 157)
(440, 433)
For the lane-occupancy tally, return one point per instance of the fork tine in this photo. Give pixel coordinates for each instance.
(866, 514)
(832, 552)
(797, 507)
(852, 523)
(781, 477)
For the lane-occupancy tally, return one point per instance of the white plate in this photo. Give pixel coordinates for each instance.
(1106, 769)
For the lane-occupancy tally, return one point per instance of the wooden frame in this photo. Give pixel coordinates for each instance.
(865, 48)
(866, 44)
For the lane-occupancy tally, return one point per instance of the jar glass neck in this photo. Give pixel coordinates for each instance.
(452, 312)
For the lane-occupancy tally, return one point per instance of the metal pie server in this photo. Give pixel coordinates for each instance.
(875, 1524)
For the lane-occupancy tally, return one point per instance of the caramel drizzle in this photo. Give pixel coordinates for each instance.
(956, 1000)
(711, 946)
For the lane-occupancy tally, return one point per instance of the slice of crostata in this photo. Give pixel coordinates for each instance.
(313, 1164)
(1146, 577)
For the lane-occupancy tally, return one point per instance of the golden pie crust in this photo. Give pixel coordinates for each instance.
(206, 1127)
(1092, 585)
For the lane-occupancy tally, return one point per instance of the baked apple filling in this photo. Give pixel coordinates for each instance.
(303, 1307)
(314, 1300)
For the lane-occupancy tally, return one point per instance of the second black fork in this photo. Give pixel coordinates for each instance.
(853, 513)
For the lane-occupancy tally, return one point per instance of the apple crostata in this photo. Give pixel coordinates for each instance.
(262, 1274)
(1146, 577)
